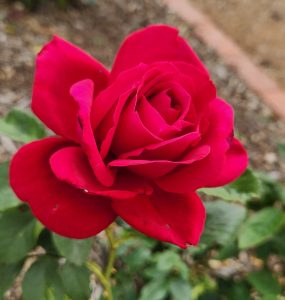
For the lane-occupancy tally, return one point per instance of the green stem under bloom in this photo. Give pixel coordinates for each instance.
(105, 277)
(112, 253)
(95, 268)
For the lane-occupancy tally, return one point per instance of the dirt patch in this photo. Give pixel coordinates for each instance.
(257, 26)
(99, 29)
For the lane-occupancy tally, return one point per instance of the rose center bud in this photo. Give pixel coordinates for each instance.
(163, 106)
(154, 119)
(166, 105)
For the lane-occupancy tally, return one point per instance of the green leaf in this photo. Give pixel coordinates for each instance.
(42, 281)
(137, 258)
(222, 223)
(264, 283)
(125, 287)
(8, 198)
(228, 250)
(260, 227)
(75, 251)
(17, 234)
(34, 284)
(8, 274)
(271, 191)
(239, 291)
(247, 183)
(234, 290)
(76, 281)
(171, 262)
(155, 290)
(45, 240)
(242, 190)
(180, 289)
(21, 126)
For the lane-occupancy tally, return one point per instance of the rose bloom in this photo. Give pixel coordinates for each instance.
(135, 142)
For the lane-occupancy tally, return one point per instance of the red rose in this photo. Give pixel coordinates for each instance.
(136, 142)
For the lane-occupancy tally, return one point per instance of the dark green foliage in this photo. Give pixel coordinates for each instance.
(8, 273)
(75, 281)
(75, 251)
(234, 290)
(260, 227)
(247, 215)
(265, 283)
(223, 222)
(8, 198)
(21, 126)
(17, 235)
(42, 280)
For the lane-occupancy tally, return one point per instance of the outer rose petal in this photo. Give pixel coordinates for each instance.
(82, 93)
(108, 106)
(173, 218)
(205, 172)
(70, 164)
(235, 164)
(167, 150)
(59, 65)
(60, 207)
(157, 168)
(152, 44)
(198, 84)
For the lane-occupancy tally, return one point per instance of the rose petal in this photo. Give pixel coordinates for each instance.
(125, 131)
(59, 65)
(197, 84)
(160, 77)
(107, 107)
(167, 150)
(153, 121)
(235, 164)
(71, 165)
(206, 171)
(173, 218)
(82, 92)
(152, 44)
(60, 207)
(162, 103)
(109, 97)
(131, 133)
(108, 127)
(182, 81)
(157, 168)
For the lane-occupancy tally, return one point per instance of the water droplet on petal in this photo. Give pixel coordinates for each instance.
(85, 191)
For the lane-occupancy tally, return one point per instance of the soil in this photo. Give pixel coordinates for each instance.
(257, 26)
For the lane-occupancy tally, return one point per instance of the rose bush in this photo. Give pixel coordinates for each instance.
(136, 142)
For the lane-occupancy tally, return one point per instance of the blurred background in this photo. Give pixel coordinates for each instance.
(257, 26)
(242, 252)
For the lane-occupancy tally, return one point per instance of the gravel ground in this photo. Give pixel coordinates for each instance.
(99, 30)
